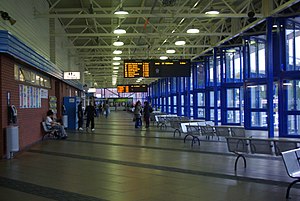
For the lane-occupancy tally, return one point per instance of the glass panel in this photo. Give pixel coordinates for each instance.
(290, 48)
(258, 96)
(238, 60)
(229, 66)
(201, 99)
(297, 51)
(233, 98)
(293, 94)
(259, 119)
(293, 124)
(191, 80)
(182, 100)
(191, 100)
(253, 58)
(192, 112)
(261, 59)
(233, 116)
(200, 76)
(211, 98)
(175, 110)
(211, 70)
(212, 114)
(201, 113)
(182, 110)
(174, 100)
(218, 66)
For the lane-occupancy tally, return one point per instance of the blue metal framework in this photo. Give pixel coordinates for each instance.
(261, 78)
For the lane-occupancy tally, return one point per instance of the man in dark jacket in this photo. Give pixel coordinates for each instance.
(80, 116)
(147, 110)
(90, 113)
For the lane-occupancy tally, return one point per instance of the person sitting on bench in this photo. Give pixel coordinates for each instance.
(55, 125)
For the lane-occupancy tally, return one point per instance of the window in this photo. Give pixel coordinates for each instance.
(257, 58)
(292, 45)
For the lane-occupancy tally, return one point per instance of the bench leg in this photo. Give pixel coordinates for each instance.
(236, 161)
(186, 137)
(194, 141)
(287, 196)
(176, 131)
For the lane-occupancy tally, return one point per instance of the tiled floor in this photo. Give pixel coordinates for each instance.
(119, 162)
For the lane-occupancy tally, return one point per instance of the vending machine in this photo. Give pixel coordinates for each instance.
(70, 106)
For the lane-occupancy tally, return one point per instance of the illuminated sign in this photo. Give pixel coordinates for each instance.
(157, 68)
(72, 75)
(133, 69)
(132, 88)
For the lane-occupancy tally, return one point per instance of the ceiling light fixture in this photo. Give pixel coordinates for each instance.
(212, 12)
(117, 52)
(116, 67)
(121, 12)
(163, 57)
(116, 63)
(117, 58)
(118, 43)
(192, 31)
(119, 31)
(180, 42)
(170, 51)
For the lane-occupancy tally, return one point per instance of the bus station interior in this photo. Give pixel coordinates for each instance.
(236, 67)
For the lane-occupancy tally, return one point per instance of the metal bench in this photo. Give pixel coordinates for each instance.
(291, 161)
(242, 146)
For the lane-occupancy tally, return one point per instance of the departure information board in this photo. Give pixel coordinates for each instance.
(157, 68)
(134, 69)
(132, 88)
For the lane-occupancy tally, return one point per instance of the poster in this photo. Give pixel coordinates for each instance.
(30, 97)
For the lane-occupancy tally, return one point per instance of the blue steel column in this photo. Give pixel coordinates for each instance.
(215, 88)
(270, 77)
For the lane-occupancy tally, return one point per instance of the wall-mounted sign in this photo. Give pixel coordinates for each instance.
(72, 75)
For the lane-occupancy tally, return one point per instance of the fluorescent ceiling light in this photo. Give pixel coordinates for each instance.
(170, 51)
(119, 31)
(115, 71)
(117, 58)
(212, 12)
(116, 63)
(116, 67)
(121, 12)
(117, 52)
(118, 43)
(180, 42)
(163, 57)
(192, 31)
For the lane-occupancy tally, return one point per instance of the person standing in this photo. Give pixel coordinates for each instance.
(147, 111)
(90, 113)
(80, 116)
(137, 114)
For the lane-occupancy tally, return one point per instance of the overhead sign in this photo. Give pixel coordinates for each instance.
(134, 68)
(132, 88)
(72, 75)
(157, 68)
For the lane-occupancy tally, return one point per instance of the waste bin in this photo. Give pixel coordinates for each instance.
(12, 141)
(65, 121)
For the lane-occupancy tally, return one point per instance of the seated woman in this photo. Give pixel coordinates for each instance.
(55, 125)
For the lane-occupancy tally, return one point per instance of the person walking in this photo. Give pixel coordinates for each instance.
(90, 113)
(106, 109)
(147, 111)
(80, 116)
(137, 114)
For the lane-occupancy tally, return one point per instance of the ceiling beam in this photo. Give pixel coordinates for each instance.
(147, 15)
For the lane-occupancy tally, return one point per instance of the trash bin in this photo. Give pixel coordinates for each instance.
(12, 141)
(65, 121)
